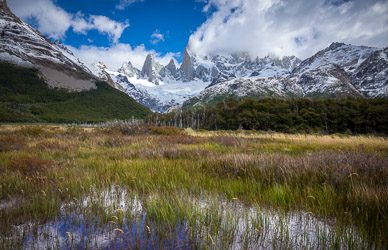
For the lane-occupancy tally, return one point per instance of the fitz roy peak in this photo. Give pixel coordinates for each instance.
(151, 69)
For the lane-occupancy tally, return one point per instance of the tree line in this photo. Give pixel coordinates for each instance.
(350, 115)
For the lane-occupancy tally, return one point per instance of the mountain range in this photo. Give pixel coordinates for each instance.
(340, 70)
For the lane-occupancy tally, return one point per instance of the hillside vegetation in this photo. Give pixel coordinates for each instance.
(349, 115)
(25, 97)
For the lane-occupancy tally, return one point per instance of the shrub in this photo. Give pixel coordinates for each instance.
(10, 143)
(30, 165)
(127, 129)
(228, 141)
(166, 131)
(31, 130)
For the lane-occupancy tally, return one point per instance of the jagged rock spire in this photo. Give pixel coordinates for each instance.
(151, 69)
(187, 66)
(171, 63)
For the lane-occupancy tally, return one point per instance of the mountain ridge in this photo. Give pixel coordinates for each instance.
(333, 72)
(158, 87)
(338, 71)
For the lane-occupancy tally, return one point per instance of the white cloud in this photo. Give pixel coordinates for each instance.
(55, 21)
(116, 55)
(103, 24)
(51, 19)
(125, 3)
(285, 27)
(156, 37)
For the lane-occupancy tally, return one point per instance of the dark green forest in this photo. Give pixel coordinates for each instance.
(25, 97)
(350, 116)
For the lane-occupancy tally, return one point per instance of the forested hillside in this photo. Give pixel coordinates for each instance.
(26, 97)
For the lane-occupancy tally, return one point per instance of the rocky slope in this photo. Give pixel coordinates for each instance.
(338, 71)
(371, 76)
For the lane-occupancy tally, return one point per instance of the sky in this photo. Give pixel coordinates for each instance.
(117, 31)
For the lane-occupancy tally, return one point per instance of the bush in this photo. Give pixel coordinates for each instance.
(30, 165)
(31, 130)
(127, 129)
(10, 143)
(166, 131)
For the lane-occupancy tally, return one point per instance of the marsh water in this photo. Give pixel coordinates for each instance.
(116, 218)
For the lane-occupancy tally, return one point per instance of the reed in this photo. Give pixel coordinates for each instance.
(149, 187)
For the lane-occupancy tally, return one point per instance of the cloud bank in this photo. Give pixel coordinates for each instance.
(54, 21)
(103, 24)
(285, 27)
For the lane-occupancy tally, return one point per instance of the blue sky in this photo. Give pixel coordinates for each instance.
(117, 31)
(175, 20)
(161, 25)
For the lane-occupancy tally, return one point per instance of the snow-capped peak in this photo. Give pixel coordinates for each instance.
(345, 55)
(128, 69)
(151, 69)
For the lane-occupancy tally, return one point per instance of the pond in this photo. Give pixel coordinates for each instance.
(118, 218)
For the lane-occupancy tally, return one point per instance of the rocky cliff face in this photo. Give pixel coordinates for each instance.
(170, 71)
(371, 76)
(151, 69)
(187, 67)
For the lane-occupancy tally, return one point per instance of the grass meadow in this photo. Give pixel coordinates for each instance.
(126, 186)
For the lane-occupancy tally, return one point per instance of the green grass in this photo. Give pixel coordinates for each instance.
(25, 97)
(196, 189)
